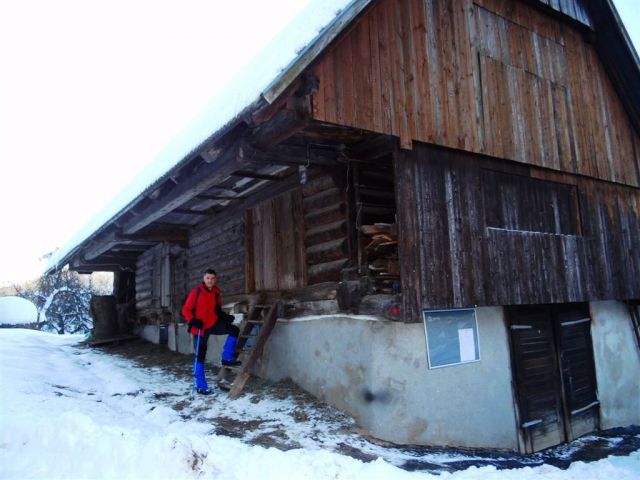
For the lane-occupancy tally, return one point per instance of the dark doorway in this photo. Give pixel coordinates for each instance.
(554, 372)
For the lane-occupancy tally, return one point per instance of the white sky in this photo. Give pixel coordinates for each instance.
(91, 91)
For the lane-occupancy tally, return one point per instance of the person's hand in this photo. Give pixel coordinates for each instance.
(227, 318)
(195, 323)
(223, 316)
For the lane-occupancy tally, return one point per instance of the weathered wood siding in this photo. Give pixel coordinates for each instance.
(497, 77)
(218, 243)
(477, 231)
(277, 258)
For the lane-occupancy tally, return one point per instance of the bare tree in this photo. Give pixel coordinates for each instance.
(62, 300)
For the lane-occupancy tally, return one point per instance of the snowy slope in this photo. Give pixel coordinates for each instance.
(70, 413)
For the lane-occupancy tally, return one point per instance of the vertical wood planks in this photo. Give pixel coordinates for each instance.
(475, 231)
(411, 271)
(486, 76)
(278, 243)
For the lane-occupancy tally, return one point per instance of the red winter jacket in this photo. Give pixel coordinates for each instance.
(201, 304)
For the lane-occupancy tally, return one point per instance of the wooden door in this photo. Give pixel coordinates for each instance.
(275, 246)
(577, 370)
(537, 377)
(554, 373)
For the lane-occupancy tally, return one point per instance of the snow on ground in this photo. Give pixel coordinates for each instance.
(76, 413)
(17, 311)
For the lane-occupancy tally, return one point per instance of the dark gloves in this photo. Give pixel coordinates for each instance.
(223, 316)
(195, 323)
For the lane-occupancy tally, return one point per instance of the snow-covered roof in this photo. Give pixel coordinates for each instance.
(263, 78)
(17, 311)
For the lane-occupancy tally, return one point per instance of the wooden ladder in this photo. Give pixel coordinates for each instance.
(634, 311)
(263, 316)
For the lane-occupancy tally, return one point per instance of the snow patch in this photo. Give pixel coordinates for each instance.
(17, 311)
(309, 318)
(70, 412)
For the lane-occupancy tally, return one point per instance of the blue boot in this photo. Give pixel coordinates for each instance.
(229, 352)
(201, 382)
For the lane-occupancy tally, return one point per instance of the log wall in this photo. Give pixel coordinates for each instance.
(497, 77)
(325, 226)
(180, 286)
(489, 232)
(160, 293)
(148, 266)
(218, 243)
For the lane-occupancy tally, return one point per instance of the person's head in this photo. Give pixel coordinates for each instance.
(210, 278)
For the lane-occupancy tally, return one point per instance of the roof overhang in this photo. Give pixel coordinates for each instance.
(232, 164)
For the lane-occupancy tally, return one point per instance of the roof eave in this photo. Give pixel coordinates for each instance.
(311, 51)
(269, 95)
(618, 55)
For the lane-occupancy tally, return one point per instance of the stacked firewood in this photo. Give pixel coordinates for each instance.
(380, 249)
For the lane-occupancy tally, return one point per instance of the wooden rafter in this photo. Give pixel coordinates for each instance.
(208, 175)
(261, 176)
(186, 211)
(203, 196)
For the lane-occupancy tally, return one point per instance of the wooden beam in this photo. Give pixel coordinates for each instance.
(186, 211)
(374, 148)
(261, 176)
(98, 247)
(289, 183)
(219, 197)
(268, 110)
(156, 234)
(128, 248)
(291, 155)
(162, 233)
(208, 175)
(283, 124)
(100, 267)
(108, 265)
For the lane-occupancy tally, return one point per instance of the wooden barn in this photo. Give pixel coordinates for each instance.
(444, 196)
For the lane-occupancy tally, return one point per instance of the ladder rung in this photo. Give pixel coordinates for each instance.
(266, 305)
(247, 336)
(255, 321)
(229, 367)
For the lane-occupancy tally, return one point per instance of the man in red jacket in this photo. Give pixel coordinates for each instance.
(204, 315)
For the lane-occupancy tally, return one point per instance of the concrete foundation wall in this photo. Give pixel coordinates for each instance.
(377, 371)
(151, 333)
(617, 360)
(180, 341)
